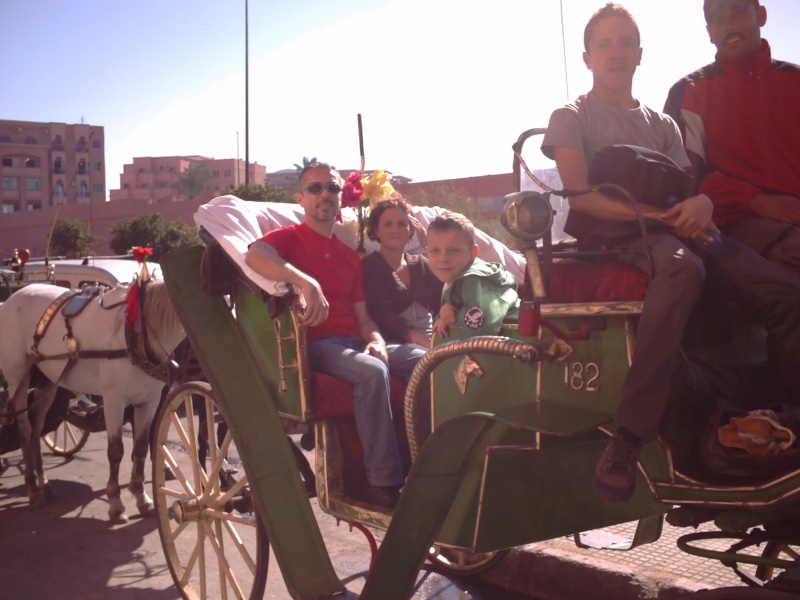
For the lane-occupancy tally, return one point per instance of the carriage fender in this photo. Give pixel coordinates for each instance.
(551, 418)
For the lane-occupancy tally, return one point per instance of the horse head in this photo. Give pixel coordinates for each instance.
(163, 329)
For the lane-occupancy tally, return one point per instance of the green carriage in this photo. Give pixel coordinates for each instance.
(519, 423)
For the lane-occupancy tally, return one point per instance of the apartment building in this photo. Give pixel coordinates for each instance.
(44, 164)
(151, 179)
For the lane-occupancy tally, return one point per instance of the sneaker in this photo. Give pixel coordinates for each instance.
(615, 475)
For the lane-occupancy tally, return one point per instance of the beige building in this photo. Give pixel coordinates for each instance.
(48, 163)
(151, 179)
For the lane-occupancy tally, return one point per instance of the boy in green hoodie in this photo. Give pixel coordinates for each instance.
(477, 295)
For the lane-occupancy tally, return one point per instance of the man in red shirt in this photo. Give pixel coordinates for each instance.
(741, 127)
(343, 341)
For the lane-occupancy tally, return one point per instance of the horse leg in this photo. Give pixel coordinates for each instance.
(29, 426)
(45, 396)
(113, 413)
(143, 416)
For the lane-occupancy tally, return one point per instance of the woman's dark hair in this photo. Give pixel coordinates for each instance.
(380, 208)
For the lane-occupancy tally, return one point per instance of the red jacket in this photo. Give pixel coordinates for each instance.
(740, 122)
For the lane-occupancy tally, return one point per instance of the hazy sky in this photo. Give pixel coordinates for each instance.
(444, 86)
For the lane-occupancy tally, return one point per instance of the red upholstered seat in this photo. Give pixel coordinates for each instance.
(575, 280)
(334, 398)
(333, 401)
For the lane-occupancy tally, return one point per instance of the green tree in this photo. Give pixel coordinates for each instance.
(177, 234)
(151, 231)
(71, 238)
(193, 181)
(452, 198)
(306, 161)
(260, 193)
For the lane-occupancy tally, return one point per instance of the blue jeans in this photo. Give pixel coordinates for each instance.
(343, 357)
(403, 358)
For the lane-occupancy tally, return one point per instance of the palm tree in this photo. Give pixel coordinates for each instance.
(193, 181)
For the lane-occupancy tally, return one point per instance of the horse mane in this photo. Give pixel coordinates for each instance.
(159, 315)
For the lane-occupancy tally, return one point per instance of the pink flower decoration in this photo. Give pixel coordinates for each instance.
(352, 190)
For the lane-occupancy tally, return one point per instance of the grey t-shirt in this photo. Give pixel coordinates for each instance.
(589, 124)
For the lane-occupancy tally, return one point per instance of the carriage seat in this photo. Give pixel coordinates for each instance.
(574, 280)
(333, 397)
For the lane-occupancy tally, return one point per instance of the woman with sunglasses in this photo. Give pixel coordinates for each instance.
(400, 290)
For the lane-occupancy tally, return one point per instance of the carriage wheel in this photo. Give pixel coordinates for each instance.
(781, 551)
(67, 438)
(215, 545)
(460, 563)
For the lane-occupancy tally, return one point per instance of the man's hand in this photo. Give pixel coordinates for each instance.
(691, 218)
(377, 348)
(780, 208)
(316, 305)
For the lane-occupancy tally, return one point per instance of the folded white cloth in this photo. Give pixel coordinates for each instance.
(235, 224)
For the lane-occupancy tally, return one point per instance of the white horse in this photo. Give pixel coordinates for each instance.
(98, 329)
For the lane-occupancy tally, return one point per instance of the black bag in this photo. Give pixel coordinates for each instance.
(648, 176)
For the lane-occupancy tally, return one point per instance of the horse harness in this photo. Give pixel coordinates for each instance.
(70, 305)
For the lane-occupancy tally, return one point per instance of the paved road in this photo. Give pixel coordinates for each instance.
(70, 551)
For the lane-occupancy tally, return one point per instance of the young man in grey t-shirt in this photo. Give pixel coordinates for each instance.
(610, 115)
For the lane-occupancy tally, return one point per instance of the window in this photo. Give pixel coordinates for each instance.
(33, 183)
(215, 173)
(98, 166)
(83, 190)
(11, 161)
(58, 166)
(31, 163)
(4, 139)
(82, 168)
(58, 189)
(9, 183)
(33, 207)
(97, 188)
(126, 186)
(227, 172)
(58, 143)
(8, 208)
(31, 140)
(96, 144)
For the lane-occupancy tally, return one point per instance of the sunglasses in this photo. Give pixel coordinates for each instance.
(316, 187)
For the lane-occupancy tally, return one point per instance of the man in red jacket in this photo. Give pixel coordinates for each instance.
(741, 127)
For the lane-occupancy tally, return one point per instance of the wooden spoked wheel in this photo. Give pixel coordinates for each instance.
(214, 544)
(781, 551)
(67, 439)
(460, 563)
